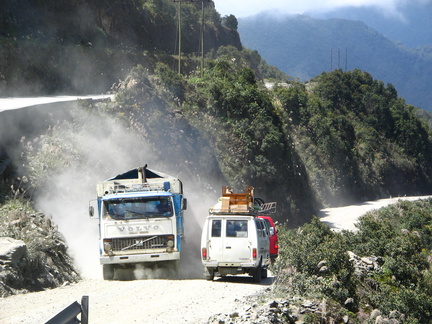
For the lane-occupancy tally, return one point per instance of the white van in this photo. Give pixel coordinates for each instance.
(235, 244)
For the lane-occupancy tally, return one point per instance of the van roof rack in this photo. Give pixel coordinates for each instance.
(241, 203)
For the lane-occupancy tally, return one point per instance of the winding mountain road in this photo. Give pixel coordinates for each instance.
(340, 218)
(11, 103)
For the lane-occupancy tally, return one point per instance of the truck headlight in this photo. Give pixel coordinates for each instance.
(108, 248)
(170, 245)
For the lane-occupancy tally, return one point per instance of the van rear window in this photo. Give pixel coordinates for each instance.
(236, 228)
(216, 228)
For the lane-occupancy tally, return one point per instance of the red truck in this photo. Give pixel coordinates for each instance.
(274, 244)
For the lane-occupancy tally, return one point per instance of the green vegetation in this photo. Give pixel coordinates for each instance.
(314, 263)
(340, 138)
(363, 130)
(343, 137)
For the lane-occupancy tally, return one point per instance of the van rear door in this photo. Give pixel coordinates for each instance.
(229, 240)
(237, 244)
(215, 240)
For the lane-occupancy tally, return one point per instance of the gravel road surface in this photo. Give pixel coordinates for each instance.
(137, 301)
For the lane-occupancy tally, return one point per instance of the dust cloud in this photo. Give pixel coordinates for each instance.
(98, 150)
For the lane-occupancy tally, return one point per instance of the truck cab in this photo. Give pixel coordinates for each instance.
(234, 240)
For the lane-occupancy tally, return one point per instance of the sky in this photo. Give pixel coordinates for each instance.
(244, 8)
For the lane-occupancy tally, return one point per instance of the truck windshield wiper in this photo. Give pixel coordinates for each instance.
(139, 243)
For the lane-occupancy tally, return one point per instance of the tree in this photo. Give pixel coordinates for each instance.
(230, 22)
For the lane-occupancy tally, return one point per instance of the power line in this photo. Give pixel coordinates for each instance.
(339, 59)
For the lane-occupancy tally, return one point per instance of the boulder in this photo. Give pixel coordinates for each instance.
(11, 250)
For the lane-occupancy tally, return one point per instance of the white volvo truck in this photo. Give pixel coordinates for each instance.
(140, 216)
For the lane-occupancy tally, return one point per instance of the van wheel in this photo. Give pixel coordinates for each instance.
(210, 275)
(264, 273)
(108, 271)
(256, 274)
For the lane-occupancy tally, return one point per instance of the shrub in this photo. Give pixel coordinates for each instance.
(314, 261)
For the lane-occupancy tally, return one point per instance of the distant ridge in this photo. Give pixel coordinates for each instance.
(411, 27)
(301, 46)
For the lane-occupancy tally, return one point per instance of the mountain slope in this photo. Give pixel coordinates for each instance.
(410, 25)
(302, 47)
(86, 46)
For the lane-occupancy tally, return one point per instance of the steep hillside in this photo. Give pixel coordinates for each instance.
(86, 46)
(304, 47)
(344, 137)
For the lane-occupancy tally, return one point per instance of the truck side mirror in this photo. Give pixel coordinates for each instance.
(184, 207)
(93, 208)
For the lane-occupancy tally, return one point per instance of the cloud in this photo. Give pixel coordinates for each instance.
(243, 8)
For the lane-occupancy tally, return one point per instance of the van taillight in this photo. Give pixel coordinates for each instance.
(254, 254)
(204, 253)
(276, 245)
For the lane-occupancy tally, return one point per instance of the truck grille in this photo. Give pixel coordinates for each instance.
(139, 243)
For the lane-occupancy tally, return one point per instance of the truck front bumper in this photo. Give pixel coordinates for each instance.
(139, 258)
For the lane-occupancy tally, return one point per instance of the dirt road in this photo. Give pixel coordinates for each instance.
(20, 102)
(346, 217)
(137, 301)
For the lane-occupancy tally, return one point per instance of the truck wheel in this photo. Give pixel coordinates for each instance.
(108, 271)
(256, 274)
(264, 273)
(210, 274)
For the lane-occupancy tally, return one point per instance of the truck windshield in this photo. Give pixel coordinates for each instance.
(137, 208)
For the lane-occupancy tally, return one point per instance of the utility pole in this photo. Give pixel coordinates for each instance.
(331, 59)
(202, 38)
(179, 31)
(346, 59)
(179, 36)
(202, 35)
